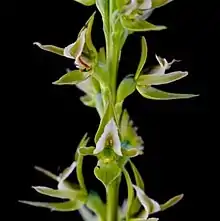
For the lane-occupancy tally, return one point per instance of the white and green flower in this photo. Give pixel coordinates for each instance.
(135, 12)
(146, 80)
(151, 206)
(109, 139)
(74, 196)
(82, 51)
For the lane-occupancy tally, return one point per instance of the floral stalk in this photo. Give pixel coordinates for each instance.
(116, 141)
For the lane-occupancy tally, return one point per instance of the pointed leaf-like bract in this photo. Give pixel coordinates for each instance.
(51, 48)
(104, 121)
(71, 78)
(154, 79)
(83, 142)
(61, 207)
(107, 172)
(125, 88)
(86, 150)
(171, 202)
(62, 194)
(143, 57)
(156, 94)
(139, 25)
(86, 2)
(102, 7)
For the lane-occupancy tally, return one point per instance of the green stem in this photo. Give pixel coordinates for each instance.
(112, 200)
(112, 52)
(79, 173)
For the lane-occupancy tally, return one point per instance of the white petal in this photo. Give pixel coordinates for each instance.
(144, 200)
(170, 63)
(160, 60)
(86, 86)
(67, 172)
(124, 207)
(147, 4)
(87, 214)
(115, 137)
(153, 219)
(146, 14)
(155, 205)
(100, 145)
(67, 49)
(81, 41)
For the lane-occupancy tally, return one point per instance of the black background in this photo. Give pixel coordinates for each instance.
(46, 122)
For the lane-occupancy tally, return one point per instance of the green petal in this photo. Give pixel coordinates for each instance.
(101, 55)
(107, 172)
(89, 25)
(103, 9)
(61, 207)
(86, 2)
(50, 48)
(126, 87)
(132, 152)
(156, 94)
(86, 150)
(160, 3)
(62, 194)
(105, 119)
(155, 79)
(139, 25)
(171, 202)
(71, 78)
(83, 142)
(143, 57)
(87, 100)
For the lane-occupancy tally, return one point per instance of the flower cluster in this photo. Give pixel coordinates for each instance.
(116, 141)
